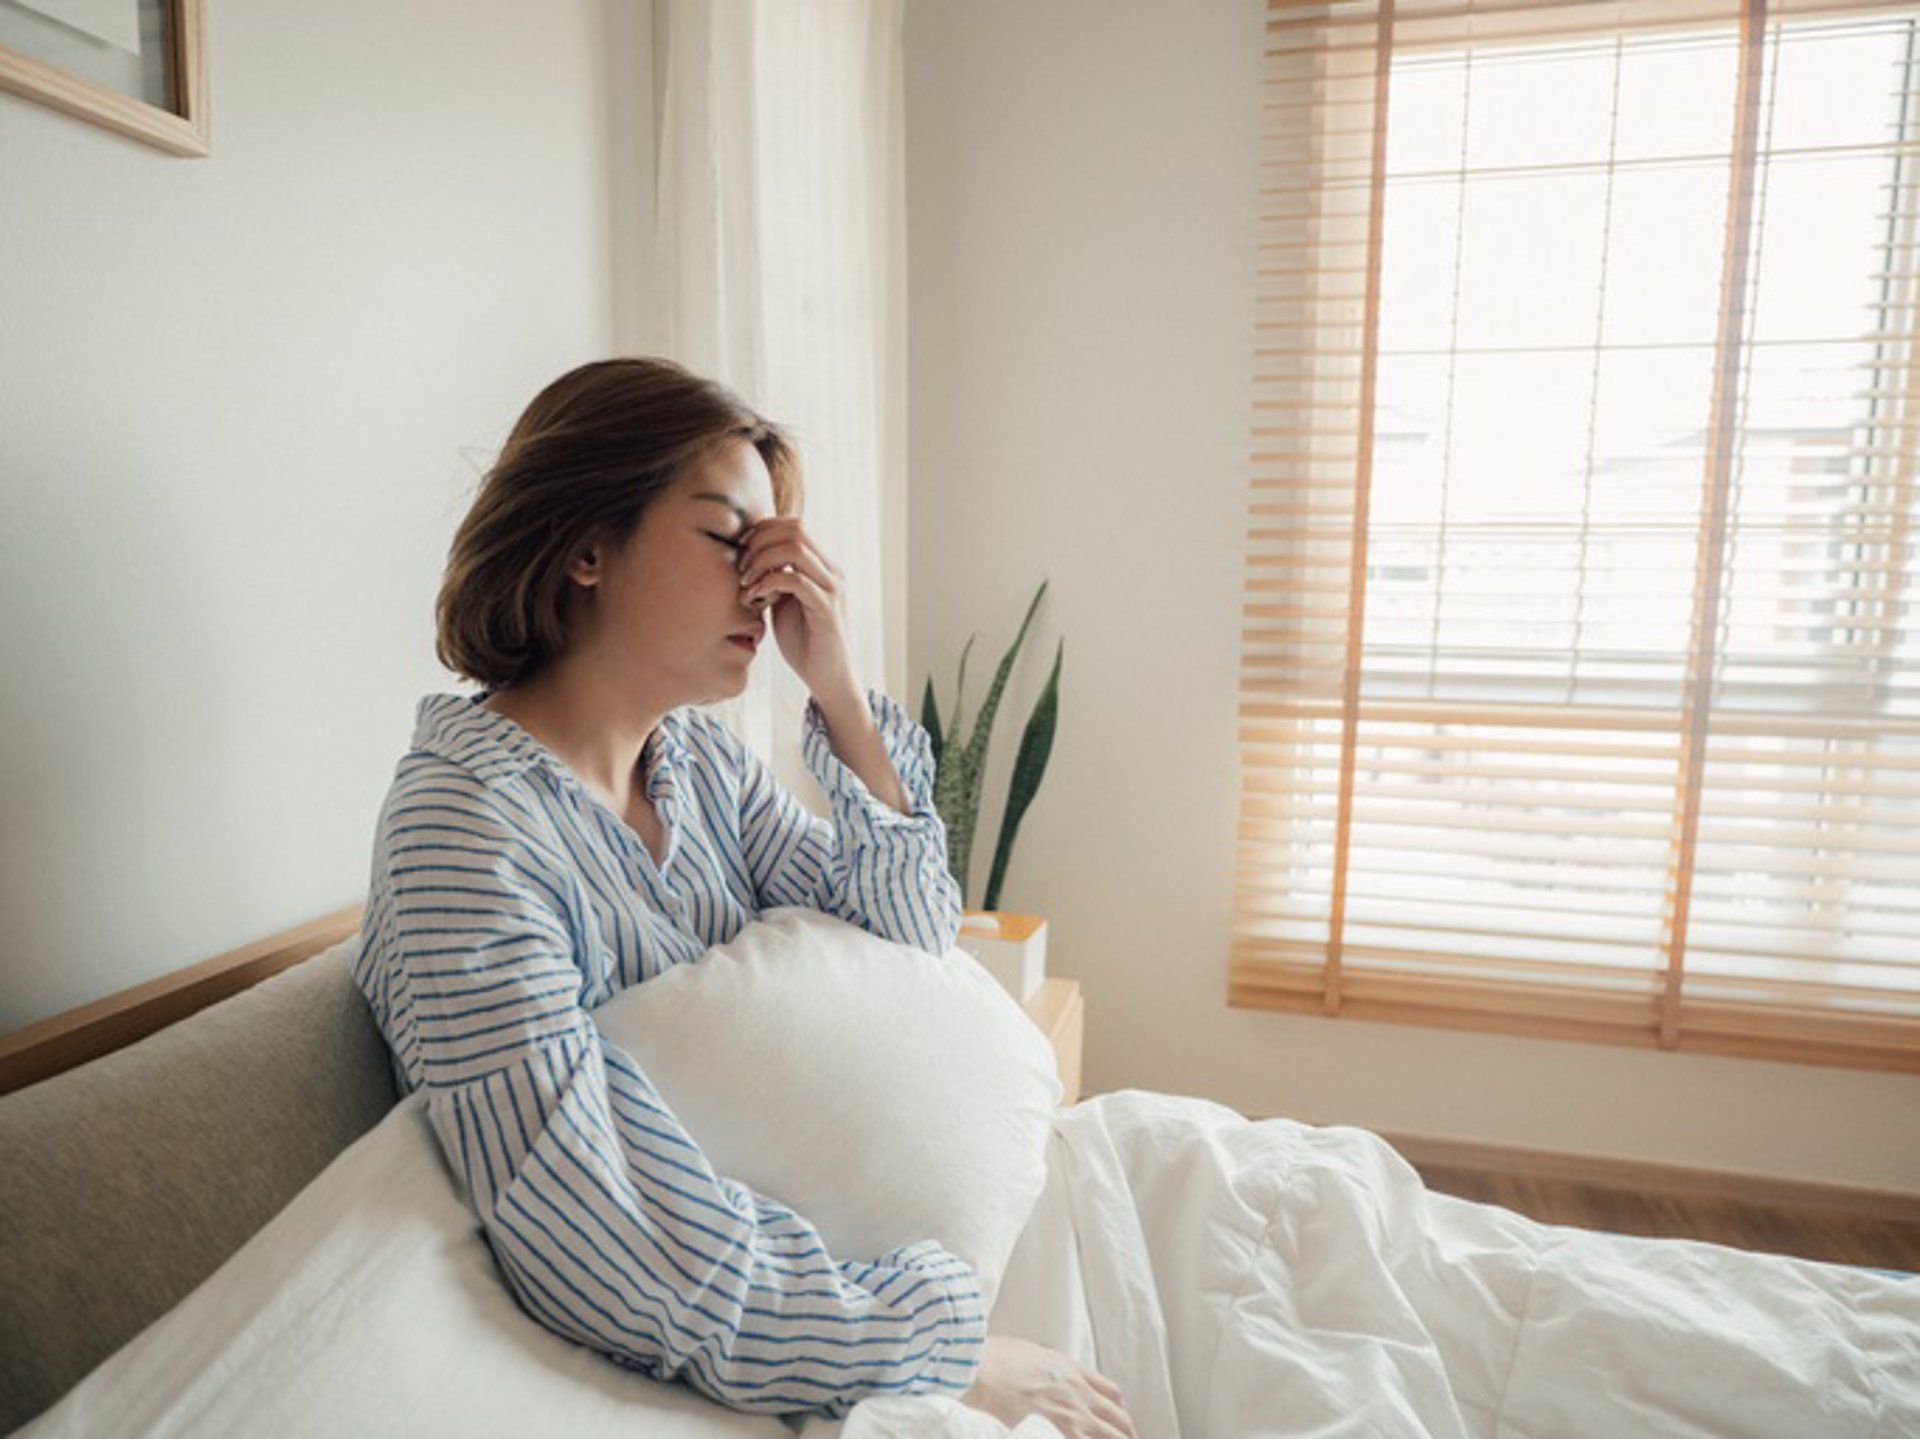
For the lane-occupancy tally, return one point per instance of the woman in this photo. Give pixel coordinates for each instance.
(576, 829)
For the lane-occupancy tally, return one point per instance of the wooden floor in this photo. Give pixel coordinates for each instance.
(1808, 1233)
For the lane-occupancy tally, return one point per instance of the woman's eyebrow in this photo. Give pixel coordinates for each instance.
(729, 502)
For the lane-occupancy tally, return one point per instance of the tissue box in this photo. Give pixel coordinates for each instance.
(1013, 947)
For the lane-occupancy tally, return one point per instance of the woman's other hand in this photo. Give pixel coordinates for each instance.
(785, 573)
(1018, 1378)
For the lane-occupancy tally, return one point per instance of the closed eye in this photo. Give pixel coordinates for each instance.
(735, 545)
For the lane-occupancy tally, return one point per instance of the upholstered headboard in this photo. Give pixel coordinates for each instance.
(131, 1178)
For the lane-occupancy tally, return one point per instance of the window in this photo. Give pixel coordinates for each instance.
(1580, 684)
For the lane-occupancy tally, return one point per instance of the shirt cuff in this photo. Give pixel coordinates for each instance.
(965, 1316)
(908, 746)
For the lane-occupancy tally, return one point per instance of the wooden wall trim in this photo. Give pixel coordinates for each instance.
(66, 1040)
(1644, 1176)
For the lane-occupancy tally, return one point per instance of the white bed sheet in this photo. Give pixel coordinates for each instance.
(1238, 1279)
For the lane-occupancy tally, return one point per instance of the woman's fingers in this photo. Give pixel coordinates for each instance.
(781, 582)
(1109, 1404)
(771, 552)
(1108, 1412)
(788, 558)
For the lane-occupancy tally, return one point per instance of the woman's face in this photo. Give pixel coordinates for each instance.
(669, 601)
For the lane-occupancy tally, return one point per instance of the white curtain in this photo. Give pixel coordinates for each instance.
(778, 269)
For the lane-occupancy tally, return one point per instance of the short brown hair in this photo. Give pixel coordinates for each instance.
(584, 461)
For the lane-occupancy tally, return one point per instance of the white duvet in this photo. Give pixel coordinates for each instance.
(1237, 1279)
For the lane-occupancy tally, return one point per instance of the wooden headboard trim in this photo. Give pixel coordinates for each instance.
(64, 1041)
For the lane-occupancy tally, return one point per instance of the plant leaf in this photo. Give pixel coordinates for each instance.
(930, 721)
(953, 799)
(983, 725)
(951, 785)
(961, 772)
(1029, 768)
(960, 690)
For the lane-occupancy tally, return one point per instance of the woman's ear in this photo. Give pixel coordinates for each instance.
(584, 568)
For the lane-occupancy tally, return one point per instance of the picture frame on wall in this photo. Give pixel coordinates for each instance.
(136, 67)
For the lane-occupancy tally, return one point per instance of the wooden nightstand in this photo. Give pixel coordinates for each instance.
(1056, 1007)
(1012, 947)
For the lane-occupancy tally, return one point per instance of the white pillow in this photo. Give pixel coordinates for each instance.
(886, 1094)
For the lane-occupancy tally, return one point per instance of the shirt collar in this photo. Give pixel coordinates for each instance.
(493, 748)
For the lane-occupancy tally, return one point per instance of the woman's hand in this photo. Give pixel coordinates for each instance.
(1018, 1378)
(782, 569)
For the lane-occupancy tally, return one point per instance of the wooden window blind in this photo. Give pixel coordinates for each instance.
(1580, 687)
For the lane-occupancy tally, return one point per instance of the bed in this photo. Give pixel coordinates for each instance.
(232, 1227)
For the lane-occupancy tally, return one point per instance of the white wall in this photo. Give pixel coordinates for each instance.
(242, 401)
(1080, 184)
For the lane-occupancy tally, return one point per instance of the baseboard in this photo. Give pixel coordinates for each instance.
(1643, 1176)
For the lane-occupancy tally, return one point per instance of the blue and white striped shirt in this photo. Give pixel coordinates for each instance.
(506, 902)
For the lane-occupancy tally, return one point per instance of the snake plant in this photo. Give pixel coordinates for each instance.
(960, 764)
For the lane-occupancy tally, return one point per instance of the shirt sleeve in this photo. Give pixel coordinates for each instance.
(870, 864)
(609, 1224)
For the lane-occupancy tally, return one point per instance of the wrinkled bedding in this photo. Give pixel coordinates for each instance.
(1264, 1278)
(1308, 1283)
(1237, 1278)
